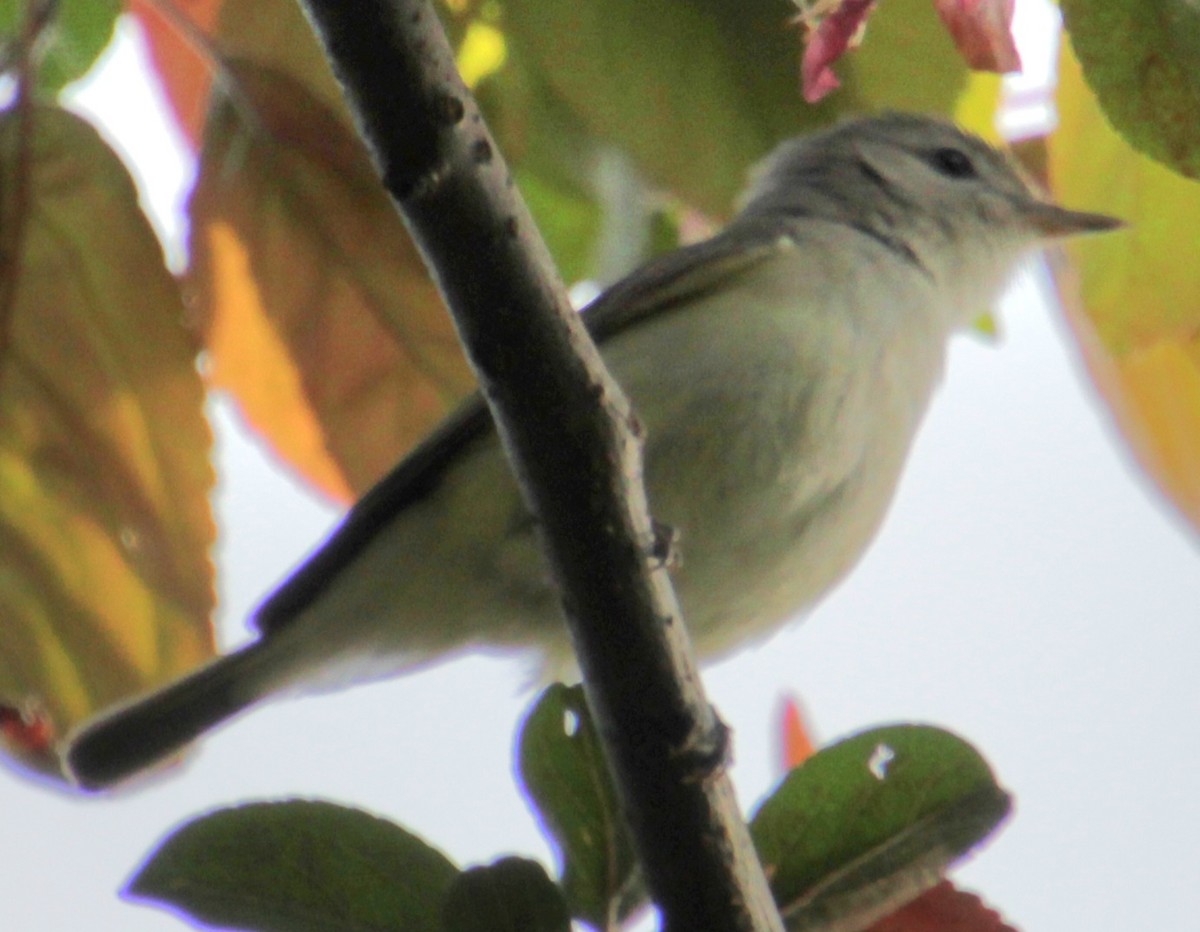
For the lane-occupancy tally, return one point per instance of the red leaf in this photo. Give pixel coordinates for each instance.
(830, 34)
(944, 909)
(796, 744)
(27, 729)
(982, 30)
(172, 33)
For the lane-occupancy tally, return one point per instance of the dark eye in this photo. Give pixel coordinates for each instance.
(953, 163)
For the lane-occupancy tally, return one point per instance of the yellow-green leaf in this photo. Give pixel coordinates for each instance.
(319, 313)
(907, 62)
(1136, 307)
(106, 586)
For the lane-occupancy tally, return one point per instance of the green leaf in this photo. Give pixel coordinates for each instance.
(671, 83)
(511, 895)
(568, 220)
(566, 779)
(907, 62)
(697, 91)
(70, 44)
(1140, 58)
(106, 586)
(870, 823)
(298, 866)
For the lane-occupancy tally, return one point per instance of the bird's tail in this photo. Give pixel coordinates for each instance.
(156, 726)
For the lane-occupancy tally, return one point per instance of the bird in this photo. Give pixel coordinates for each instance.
(781, 370)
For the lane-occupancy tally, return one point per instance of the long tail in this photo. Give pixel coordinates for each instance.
(160, 724)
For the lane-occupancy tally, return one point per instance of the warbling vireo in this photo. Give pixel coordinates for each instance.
(781, 370)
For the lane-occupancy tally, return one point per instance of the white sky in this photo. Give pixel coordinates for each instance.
(1029, 591)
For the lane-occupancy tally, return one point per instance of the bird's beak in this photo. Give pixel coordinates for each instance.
(1053, 221)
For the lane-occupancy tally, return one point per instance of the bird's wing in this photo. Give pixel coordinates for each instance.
(671, 280)
(682, 275)
(409, 481)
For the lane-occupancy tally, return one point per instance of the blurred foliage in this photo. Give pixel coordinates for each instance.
(63, 38)
(1134, 299)
(317, 311)
(106, 587)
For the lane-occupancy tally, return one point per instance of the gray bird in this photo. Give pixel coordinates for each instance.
(781, 370)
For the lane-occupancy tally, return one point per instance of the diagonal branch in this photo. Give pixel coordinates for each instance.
(574, 446)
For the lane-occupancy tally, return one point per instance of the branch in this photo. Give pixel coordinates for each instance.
(574, 446)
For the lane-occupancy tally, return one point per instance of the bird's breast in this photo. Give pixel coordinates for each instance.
(778, 415)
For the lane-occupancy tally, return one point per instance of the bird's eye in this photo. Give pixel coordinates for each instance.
(953, 163)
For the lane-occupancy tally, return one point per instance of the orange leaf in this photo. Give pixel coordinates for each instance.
(105, 581)
(320, 317)
(189, 39)
(796, 745)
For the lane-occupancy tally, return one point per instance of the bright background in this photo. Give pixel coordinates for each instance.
(1029, 591)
